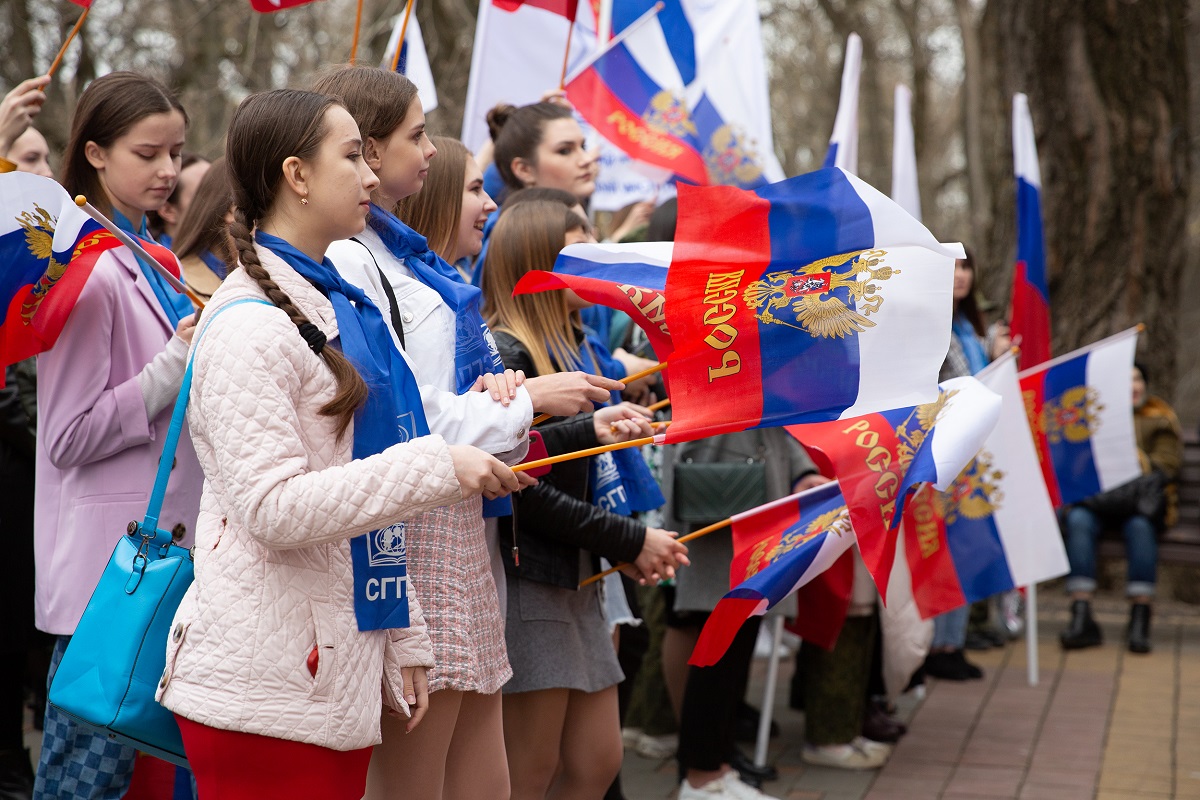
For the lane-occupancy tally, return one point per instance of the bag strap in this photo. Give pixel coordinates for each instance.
(393, 305)
(149, 527)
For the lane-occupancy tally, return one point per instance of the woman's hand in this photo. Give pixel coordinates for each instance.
(564, 394)
(1002, 342)
(501, 385)
(637, 217)
(18, 109)
(186, 328)
(621, 423)
(809, 481)
(480, 473)
(416, 694)
(638, 391)
(660, 555)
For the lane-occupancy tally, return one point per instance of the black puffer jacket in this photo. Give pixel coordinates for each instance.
(555, 519)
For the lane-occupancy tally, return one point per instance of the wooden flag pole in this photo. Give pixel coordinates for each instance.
(540, 418)
(133, 245)
(705, 531)
(562, 78)
(62, 51)
(408, 7)
(660, 405)
(357, 25)
(591, 451)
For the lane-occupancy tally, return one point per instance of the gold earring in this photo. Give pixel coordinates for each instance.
(303, 201)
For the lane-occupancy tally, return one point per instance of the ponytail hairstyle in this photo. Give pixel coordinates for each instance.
(434, 211)
(267, 129)
(527, 237)
(106, 110)
(517, 132)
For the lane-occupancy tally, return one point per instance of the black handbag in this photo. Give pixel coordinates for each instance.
(1145, 495)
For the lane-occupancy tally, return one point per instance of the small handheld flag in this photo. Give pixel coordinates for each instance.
(1031, 293)
(808, 300)
(1080, 409)
(994, 528)
(905, 188)
(269, 6)
(410, 58)
(777, 548)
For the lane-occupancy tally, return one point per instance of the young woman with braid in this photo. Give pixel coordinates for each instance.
(435, 320)
(289, 642)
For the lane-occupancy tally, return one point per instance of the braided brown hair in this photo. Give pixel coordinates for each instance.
(267, 129)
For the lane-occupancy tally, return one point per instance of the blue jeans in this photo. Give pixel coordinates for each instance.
(950, 628)
(1082, 529)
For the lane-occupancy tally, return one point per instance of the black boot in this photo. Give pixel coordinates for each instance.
(1083, 630)
(1139, 628)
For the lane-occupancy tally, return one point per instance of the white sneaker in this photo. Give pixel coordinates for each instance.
(630, 737)
(656, 747)
(858, 754)
(727, 787)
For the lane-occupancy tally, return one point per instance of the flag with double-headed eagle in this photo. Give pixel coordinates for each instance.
(777, 548)
(1031, 292)
(48, 246)
(1080, 409)
(993, 529)
(881, 458)
(813, 299)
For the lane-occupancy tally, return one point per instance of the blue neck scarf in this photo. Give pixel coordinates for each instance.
(215, 264)
(175, 305)
(620, 480)
(474, 348)
(392, 414)
(972, 347)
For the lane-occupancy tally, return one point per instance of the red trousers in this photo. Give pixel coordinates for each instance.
(230, 765)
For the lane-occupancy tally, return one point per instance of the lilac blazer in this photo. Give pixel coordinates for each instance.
(97, 451)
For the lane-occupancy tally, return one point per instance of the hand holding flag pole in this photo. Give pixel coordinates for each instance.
(627, 379)
(62, 51)
(408, 7)
(705, 531)
(140, 251)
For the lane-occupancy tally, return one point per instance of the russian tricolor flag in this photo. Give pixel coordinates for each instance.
(48, 246)
(880, 458)
(1031, 293)
(843, 143)
(628, 277)
(994, 528)
(414, 60)
(634, 96)
(777, 548)
(808, 300)
(905, 187)
(1080, 409)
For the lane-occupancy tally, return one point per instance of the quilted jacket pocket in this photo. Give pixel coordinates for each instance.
(326, 651)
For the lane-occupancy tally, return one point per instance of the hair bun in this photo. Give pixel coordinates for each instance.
(497, 117)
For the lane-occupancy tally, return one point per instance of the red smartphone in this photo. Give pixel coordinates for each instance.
(537, 451)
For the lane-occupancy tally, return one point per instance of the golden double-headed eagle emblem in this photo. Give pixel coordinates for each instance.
(836, 522)
(730, 157)
(39, 238)
(976, 493)
(668, 113)
(1073, 416)
(810, 292)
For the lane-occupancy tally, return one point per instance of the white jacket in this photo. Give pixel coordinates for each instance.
(429, 336)
(282, 497)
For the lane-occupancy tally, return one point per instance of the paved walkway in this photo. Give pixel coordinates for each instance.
(1101, 723)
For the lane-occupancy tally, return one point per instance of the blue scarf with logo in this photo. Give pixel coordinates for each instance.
(174, 304)
(392, 414)
(620, 480)
(474, 348)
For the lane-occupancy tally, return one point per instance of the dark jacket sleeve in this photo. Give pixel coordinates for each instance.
(547, 511)
(567, 434)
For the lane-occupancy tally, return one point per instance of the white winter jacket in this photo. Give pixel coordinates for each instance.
(282, 497)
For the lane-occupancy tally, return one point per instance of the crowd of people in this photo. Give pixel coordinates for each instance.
(364, 376)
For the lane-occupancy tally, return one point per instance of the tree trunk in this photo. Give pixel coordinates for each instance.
(1108, 89)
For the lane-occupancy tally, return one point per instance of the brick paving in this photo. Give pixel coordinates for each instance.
(1101, 724)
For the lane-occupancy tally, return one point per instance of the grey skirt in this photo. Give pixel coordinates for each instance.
(558, 638)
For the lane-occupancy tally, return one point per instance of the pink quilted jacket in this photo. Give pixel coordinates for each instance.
(281, 500)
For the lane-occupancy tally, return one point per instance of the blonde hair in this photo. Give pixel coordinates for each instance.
(528, 237)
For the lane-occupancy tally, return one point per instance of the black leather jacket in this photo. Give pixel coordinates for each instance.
(555, 520)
